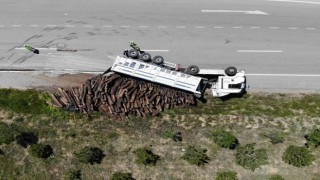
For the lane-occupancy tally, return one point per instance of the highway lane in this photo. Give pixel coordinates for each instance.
(210, 40)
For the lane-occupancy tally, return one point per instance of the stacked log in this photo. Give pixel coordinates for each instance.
(120, 96)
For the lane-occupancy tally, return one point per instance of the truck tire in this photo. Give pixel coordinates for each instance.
(132, 53)
(158, 60)
(231, 71)
(193, 70)
(145, 57)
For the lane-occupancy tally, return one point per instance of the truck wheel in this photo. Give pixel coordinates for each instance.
(133, 53)
(193, 70)
(158, 60)
(231, 71)
(145, 57)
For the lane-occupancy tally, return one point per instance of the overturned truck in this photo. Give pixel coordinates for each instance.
(221, 82)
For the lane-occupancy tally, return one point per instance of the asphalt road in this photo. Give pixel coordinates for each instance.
(277, 45)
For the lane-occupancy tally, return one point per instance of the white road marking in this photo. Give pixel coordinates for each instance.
(237, 27)
(200, 27)
(255, 27)
(294, 1)
(218, 27)
(156, 50)
(181, 27)
(256, 12)
(16, 25)
(22, 48)
(273, 27)
(1, 26)
(259, 51)
(107, 26)
(310, 28)
(292, 28)
(286, 75)
(124, 26)
(34, 25)
(111, 57)
(162, 26)
(143, 26)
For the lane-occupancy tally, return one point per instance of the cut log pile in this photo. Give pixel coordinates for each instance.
(120, 96)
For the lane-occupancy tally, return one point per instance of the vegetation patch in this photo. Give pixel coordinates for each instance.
(224, 139)
(25, 102)
(226, 175)
(145, 156)
(121, 176)
(40, 150)
(6, 134)
(195, 156)
(73, 175)
(313, 138)
(25, 139)
(297, 156)
(275, 137)
(90, 155)
(276, 177)
(250, 158)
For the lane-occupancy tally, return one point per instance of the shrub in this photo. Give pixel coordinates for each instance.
(227, 175)
(313, 138)
(145, 156)
(6, 134)
(251, 158)
(90, 155)
(276, 177)
(121, 176)
(224, 139)
(26, 138)
(1, 152)
(297, 156)
(195, 156)
(275, 137)
(40, 150)
(73, 175)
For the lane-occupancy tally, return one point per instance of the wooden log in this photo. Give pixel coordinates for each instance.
(56, 101)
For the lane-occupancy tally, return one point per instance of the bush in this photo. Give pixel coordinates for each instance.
(121, 176)
(145, 156)
(275, 137)
(224, 139)
(276, 177)
(195, 156)
(6, 134)
(90, 155)
(40, 150)
(251, 158)
(313, 138)
(73, 175)
(227, 175)
(26, 138)
(1, 152)
(297, 156)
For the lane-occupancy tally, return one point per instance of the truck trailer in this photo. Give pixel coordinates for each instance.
(221, 82)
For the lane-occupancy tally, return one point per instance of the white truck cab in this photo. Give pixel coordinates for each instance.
(221, 82)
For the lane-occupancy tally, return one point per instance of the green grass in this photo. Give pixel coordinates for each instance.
(271, 105)
(68, 132)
